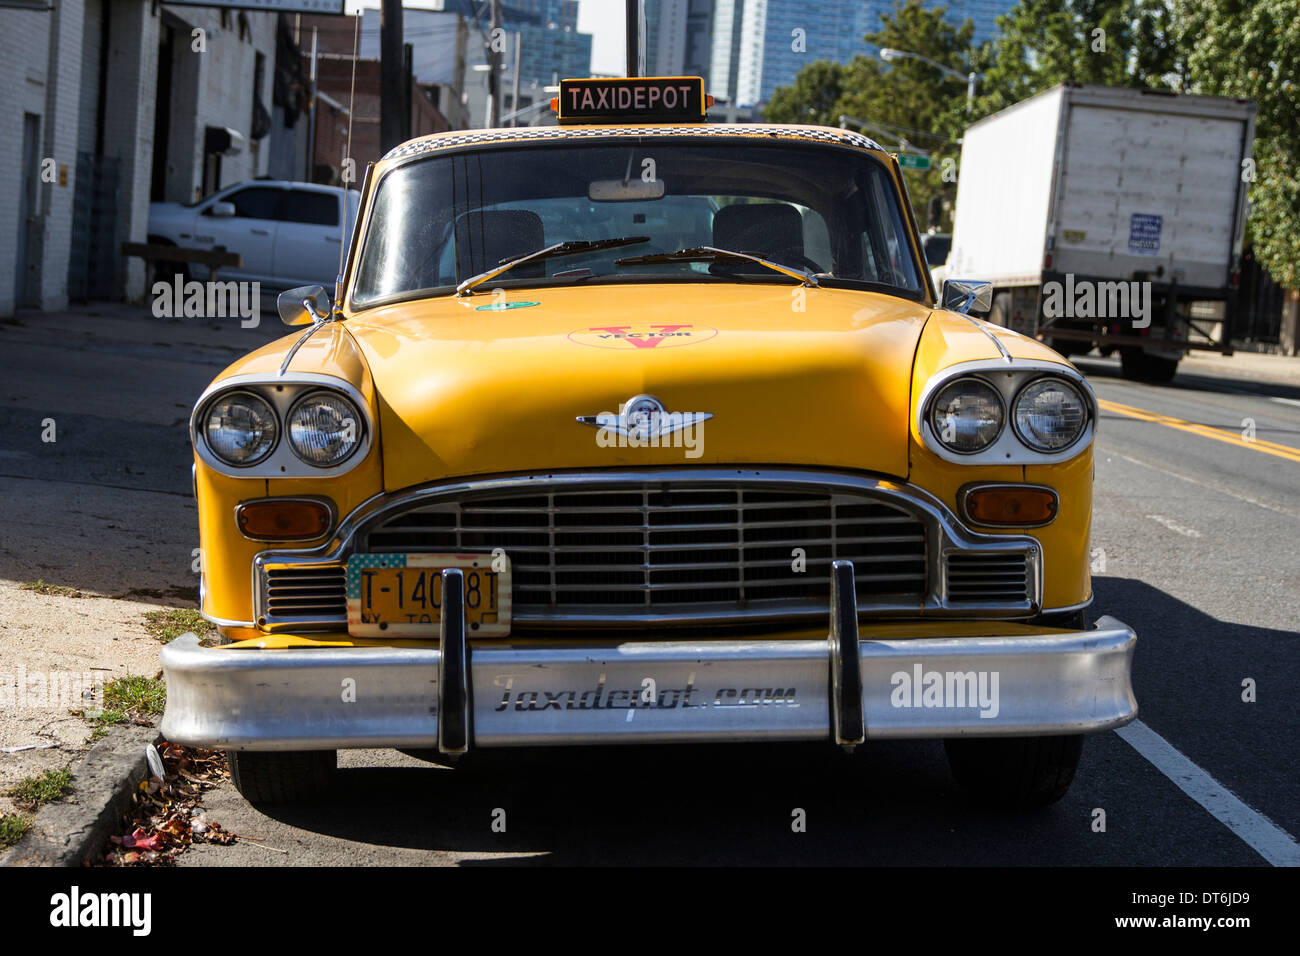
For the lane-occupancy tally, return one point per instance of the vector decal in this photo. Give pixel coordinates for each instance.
(642, 336)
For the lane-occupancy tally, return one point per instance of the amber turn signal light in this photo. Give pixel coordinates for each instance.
(284, 519)
(1013, 506)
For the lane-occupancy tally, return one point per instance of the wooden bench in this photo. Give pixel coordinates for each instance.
(152, 252)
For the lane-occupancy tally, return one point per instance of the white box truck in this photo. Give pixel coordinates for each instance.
(1102, 214)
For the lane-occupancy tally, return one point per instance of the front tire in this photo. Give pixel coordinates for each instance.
(268, 777)
(1019, 773)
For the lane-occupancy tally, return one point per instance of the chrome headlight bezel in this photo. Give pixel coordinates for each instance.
(317, 394)
(1014, 417)
(282, 393)
(246, 394)
(1008, 378)
(968, 380)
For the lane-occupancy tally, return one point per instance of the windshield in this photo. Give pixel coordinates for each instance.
(438, 221)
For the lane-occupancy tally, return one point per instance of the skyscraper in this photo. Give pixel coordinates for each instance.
(551, 44)
(678, 37)
(758, 45)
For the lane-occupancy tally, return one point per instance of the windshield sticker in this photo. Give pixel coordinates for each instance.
(503, 306)
(642, 336)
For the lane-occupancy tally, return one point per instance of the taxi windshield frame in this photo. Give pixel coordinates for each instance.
(903, 221)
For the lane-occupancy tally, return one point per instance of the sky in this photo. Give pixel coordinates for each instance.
(603, 19)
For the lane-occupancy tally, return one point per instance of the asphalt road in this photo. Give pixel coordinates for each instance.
(1200, 557)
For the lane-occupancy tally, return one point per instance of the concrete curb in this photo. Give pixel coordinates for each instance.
(73, 831)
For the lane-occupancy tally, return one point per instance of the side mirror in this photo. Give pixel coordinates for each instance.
(305, 305)
(222, 210)
(968, 296)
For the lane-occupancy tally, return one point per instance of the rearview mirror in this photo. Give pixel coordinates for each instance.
(616, 190)
(303, 305)
(222, 210)
(968, 296)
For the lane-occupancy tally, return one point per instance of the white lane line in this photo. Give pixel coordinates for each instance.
(1258, 832)
(1285, 401)
(1175, 526)
(1166, 470)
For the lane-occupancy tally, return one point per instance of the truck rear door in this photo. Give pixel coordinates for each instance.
(1149, 190)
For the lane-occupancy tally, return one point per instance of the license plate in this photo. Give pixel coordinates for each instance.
(400, 595)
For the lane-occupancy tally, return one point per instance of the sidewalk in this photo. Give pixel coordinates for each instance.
(102, 514)
(1251, 366)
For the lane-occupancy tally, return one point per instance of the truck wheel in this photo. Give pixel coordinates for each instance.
(1140, 366)
(1065, 346)
(1016, 772)
(282, 776)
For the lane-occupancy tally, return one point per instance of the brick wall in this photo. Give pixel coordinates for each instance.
(128, 129)
(215, 88)
(24, 50)
(51, 69)
(59, 141)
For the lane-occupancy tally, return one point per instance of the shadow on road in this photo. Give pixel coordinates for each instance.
(1107, 369)
(890, 803)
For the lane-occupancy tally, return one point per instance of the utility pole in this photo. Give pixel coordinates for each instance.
(391, 72)
(635, 12)
(495, 43)
(514, 96)
(310, 176)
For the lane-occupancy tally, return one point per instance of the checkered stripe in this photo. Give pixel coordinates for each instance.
(839, 137)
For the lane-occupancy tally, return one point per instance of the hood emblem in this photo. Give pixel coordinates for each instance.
(644, 418)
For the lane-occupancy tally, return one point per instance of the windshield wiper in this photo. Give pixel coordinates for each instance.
(710, 254)
(570, 248)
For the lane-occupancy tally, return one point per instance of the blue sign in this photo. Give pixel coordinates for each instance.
(1144, 234)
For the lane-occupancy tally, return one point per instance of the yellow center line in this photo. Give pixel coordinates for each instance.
(1205, 431)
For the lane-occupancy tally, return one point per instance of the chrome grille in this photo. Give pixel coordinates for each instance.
(987, 577)
(304, 593)
(655, 549)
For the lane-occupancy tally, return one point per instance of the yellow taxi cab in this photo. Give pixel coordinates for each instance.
(643, 429)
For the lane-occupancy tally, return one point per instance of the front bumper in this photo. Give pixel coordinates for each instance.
(496, 694)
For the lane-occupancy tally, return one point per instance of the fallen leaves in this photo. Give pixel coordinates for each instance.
(167, 816)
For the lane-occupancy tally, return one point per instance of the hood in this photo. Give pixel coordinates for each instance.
(479, 386)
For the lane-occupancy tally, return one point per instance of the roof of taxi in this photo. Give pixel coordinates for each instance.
(766, 131)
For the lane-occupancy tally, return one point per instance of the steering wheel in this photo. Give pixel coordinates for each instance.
(803, 260)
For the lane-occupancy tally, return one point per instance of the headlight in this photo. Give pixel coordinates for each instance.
(240, 428)
(1050, 415)
(967, 415)
(324, 429)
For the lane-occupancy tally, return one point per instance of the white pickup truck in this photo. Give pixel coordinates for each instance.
(288, 234)
(1101, 215)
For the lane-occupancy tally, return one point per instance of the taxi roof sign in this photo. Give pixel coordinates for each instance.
(633, 99)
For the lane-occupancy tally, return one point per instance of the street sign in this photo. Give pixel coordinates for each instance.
(914, 162)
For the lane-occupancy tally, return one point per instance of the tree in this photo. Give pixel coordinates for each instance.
(1239, 48)
(812, 98)
(1044, 42)
(1251, 48)
(906, 100)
